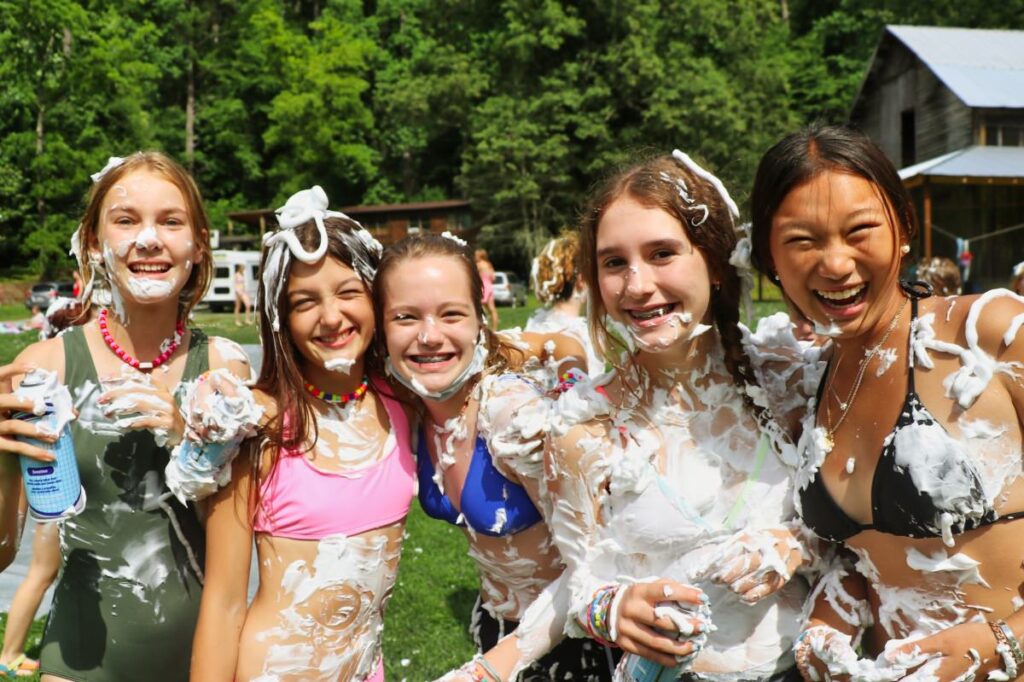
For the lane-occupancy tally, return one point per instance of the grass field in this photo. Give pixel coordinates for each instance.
(426, 628)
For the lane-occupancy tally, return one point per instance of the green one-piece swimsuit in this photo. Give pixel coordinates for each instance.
(127, 600)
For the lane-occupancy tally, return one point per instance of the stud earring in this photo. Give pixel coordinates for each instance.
(905, 249)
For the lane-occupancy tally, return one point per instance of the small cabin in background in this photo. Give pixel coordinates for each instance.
(947, 106)
(389, 223)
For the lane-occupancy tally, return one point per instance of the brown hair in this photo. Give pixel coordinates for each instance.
(280, 376)
(554, 271)
(161, 164)
(941, 273)
(807, 153)
(655, 183)
(501, 355)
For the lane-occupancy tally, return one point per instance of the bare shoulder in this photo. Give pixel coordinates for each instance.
(228, 354)
(268, 403)
(48, 354)
(992, 320)
(559, 346)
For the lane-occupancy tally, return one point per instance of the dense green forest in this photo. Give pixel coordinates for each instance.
(518, 105)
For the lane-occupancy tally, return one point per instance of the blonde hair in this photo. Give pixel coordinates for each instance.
(163, 165)
(554, 271)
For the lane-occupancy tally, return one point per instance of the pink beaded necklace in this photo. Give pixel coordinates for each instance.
(169, 345)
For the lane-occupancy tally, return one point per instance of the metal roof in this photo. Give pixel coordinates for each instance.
(971, 162)
(983, 67)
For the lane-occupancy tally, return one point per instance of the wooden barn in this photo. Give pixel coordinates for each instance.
(947, 106)
(387, 222)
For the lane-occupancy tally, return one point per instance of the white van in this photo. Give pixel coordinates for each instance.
(221, 295)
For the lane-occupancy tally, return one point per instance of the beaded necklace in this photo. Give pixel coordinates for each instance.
(339, 398)
(169, 345)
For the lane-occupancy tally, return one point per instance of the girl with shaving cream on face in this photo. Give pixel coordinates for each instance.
(427, 297)
(128, 594)
(669, 476)
(558, 286)
(326, 487)
(910, 456)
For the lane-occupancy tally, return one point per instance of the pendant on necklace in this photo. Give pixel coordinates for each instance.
(830, 442)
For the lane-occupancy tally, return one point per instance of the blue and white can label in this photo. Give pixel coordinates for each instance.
(53, 489)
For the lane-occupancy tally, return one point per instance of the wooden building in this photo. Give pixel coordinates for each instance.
(387, 222)
(947, 106)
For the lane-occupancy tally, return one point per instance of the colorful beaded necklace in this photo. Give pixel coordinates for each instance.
(339, 398)
(169, 345)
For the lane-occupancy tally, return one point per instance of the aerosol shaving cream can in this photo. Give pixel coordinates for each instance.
(635, 668)
(53, 489)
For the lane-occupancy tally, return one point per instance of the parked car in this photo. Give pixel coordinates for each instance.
(43, 293)
(509, 289)
(221, 295)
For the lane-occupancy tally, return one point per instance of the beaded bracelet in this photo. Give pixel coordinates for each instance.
(568, 380)
(596, 619)
(1004, 648)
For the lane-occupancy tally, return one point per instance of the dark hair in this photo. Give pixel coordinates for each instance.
(501, 354)
(280, 376)
(160, 164)
(805, 154)
(655, 184)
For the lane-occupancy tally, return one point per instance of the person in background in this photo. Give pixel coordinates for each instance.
(242, 301)
(486, 270)
(941, 274)
(558, 287)
(42, 571)
(37, 321)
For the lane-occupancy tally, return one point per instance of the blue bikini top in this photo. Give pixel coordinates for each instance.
(490, 503)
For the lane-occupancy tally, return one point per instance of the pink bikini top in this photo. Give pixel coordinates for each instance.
(302, 502)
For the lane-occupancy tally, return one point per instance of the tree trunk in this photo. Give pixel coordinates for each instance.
(40, 136)
(190, 115)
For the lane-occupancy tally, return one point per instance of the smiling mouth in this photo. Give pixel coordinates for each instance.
(336, 340)
(842, 298)
(149, 268)
(649, 314)
(433, 359)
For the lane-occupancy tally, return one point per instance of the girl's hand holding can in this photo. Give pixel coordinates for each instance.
(13, 431)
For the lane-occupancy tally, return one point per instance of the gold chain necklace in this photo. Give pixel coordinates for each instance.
(846, 405)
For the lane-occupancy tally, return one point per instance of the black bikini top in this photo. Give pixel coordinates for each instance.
(925, 484)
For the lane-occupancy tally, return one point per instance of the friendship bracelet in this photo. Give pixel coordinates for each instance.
(613, 615)
(596, 619)
(1011, 640)
(1004, 650)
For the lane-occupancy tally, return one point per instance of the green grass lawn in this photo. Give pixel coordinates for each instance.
(426, 627)
(14, 311)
